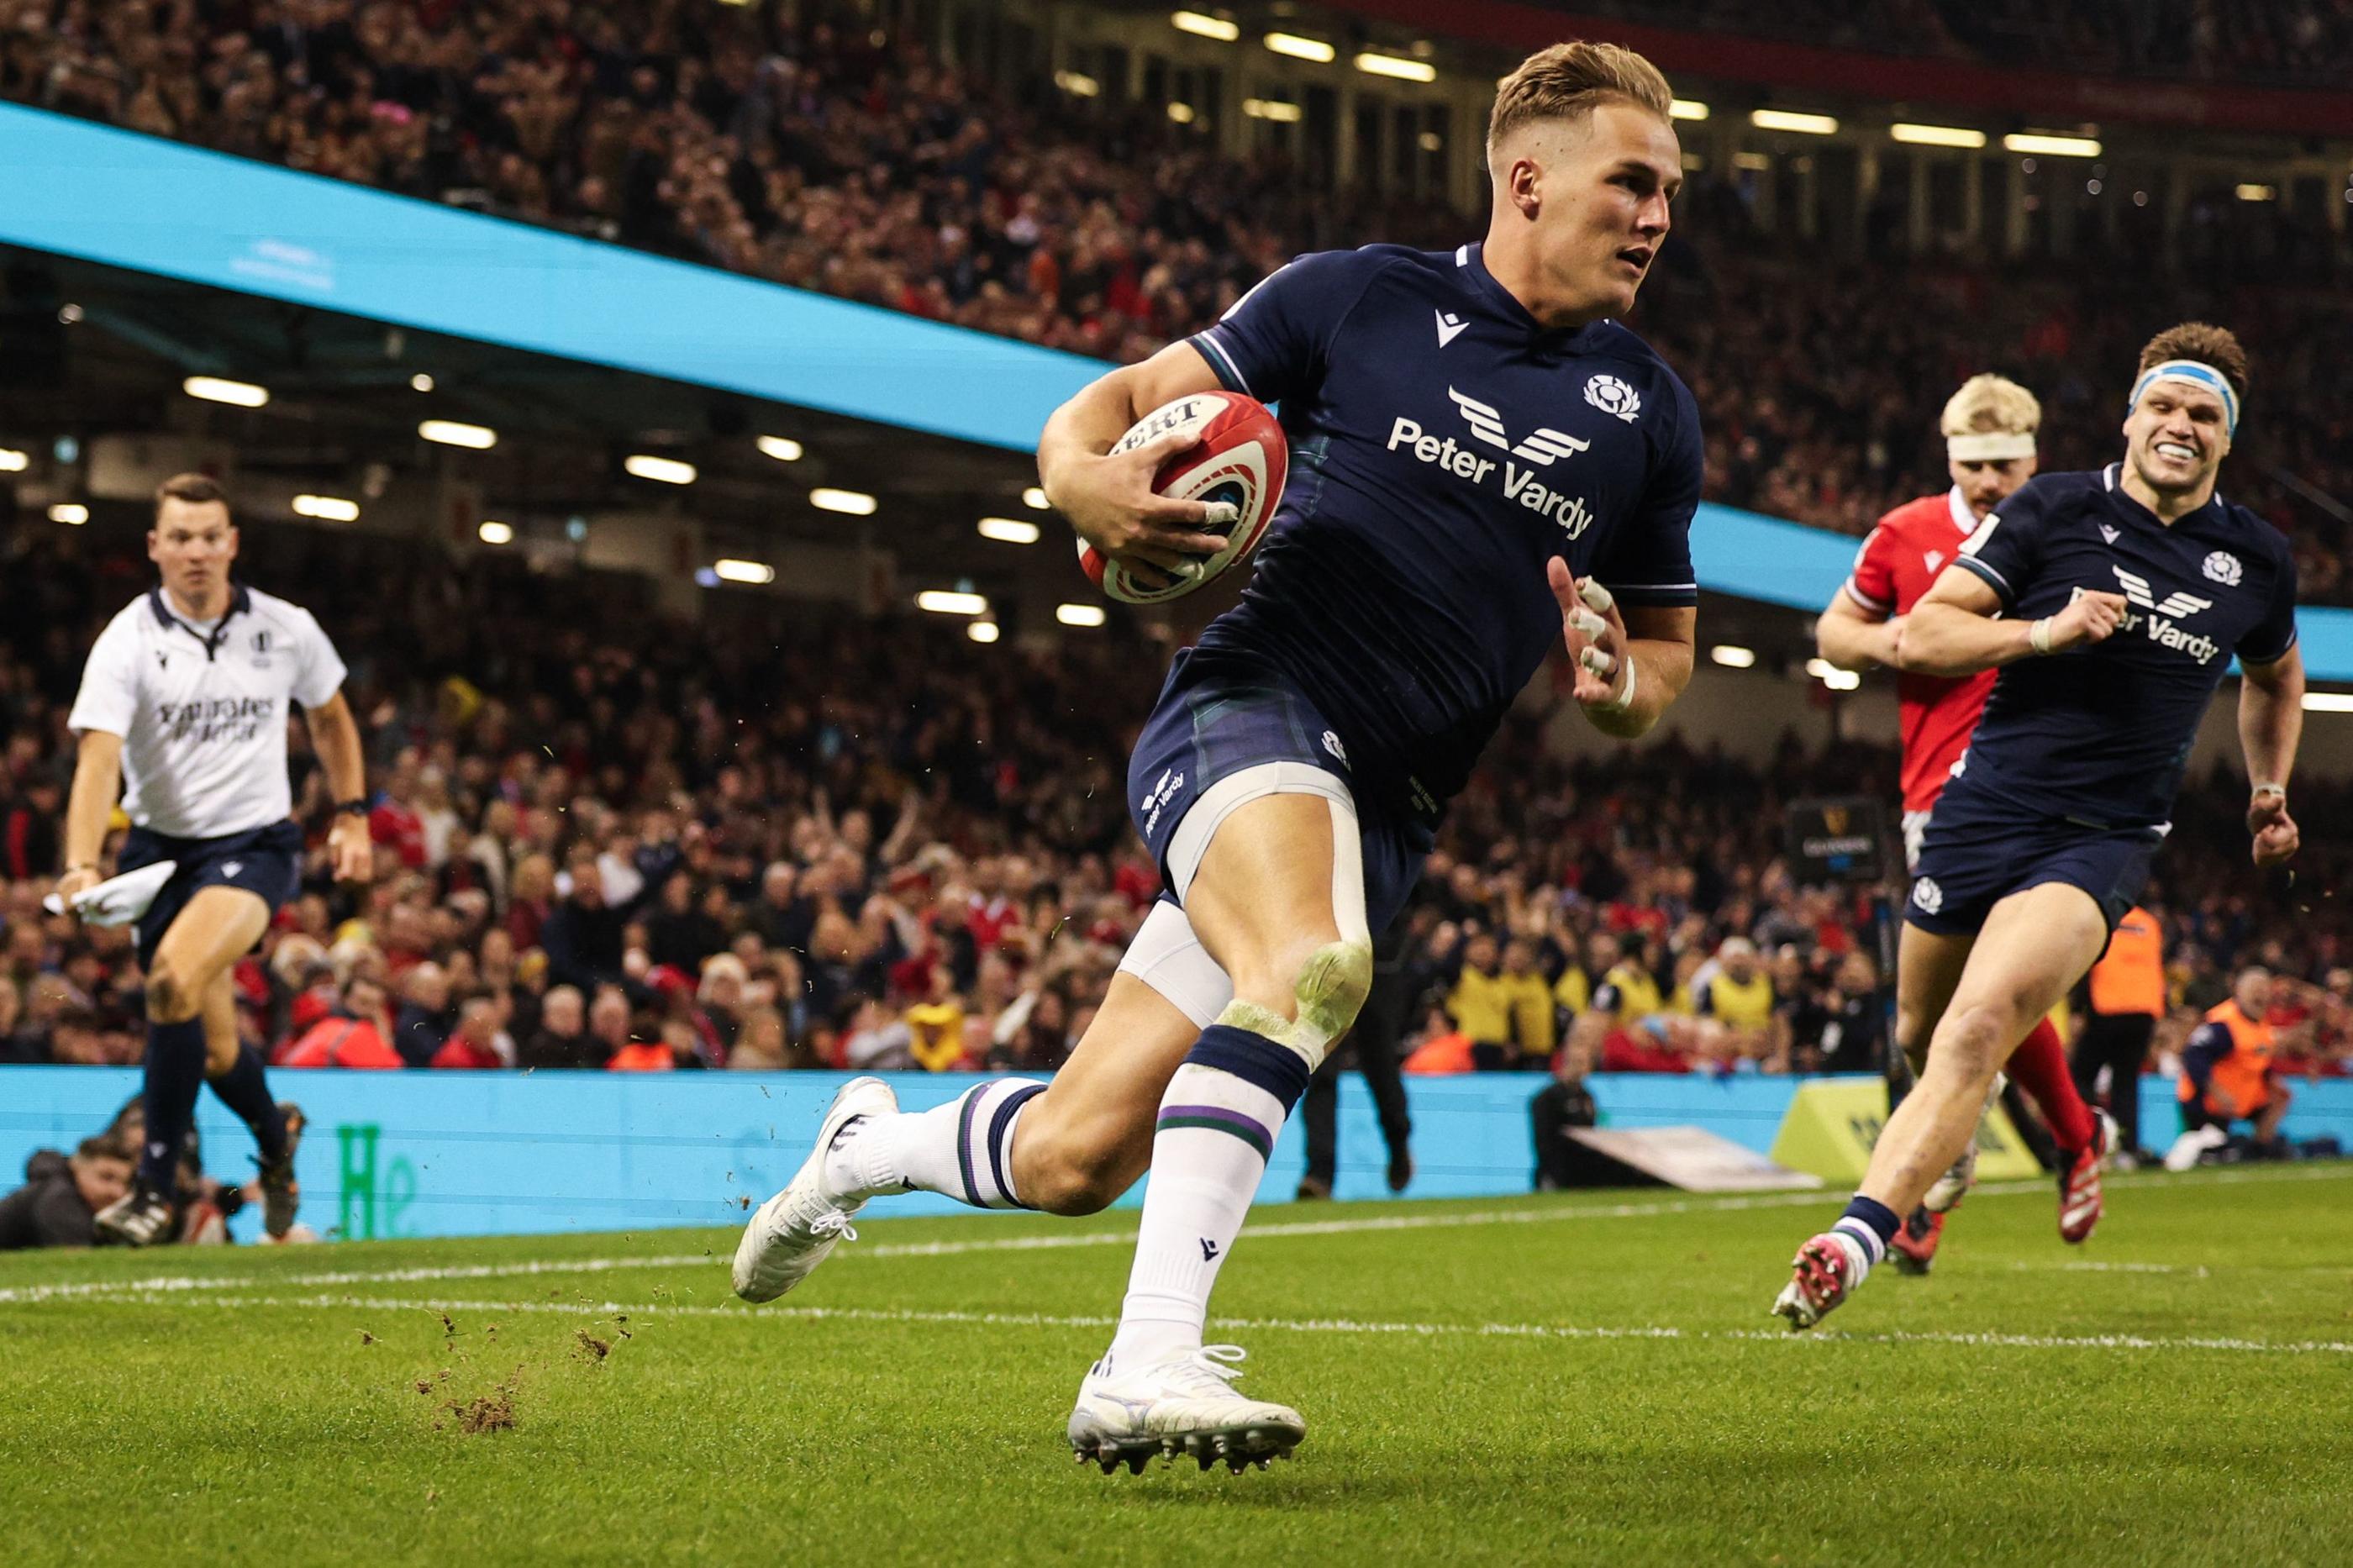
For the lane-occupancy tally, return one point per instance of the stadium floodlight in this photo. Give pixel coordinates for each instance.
(1430, 142)
(71, 513)
(1790, 119)
(2258, 192)
(1080, 614)
(943, 602)
(2050, 146)
(1732, 656)
(1202, 26)
(1009, 530)
(1831, 676)
(1687, 109)
(219, 389)
(327, 509)
(784, 448)
(983, 631)
(12, 461)
(757, 573)
(492, 532)
(420, 382)
(661, 470)
(456, 433)
(1077, 84)
(856, 503)
(1937, 135)
(2328, 701)
(1301, 49)
(1273, 108)
(1182, 113)
(1034, 497)
(1391, 66)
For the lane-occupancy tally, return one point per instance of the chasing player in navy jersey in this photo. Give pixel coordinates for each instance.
(185, 700)
(1483, 462)
(2113, 602)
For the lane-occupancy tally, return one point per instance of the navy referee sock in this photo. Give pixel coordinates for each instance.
(245, 1089)
(176, 1072)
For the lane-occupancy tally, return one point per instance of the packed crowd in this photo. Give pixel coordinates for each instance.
(841, 158)
(654, 848)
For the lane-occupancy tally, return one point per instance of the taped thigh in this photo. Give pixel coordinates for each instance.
(1168, 956)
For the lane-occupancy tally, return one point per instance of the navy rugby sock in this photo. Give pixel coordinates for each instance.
(176, 1072)
(245, 1089)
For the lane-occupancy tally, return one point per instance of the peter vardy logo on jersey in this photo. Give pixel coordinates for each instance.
(1543, 448)
(1161, 794)
(2223, 567)
(2162, 623)
(1614, 397)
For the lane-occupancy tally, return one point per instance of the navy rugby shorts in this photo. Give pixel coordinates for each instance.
(266, 861)
(1976, 852)
(1217, 719)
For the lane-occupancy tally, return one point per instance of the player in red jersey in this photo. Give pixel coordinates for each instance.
(1988, 429)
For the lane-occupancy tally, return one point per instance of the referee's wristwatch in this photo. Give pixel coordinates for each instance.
(352, 808)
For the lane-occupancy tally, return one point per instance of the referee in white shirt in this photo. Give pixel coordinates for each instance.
(185, 701)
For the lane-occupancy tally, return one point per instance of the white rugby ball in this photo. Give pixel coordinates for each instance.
(1238, 460)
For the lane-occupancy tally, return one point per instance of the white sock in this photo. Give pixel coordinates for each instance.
(963, 1149)
(1208, 1154)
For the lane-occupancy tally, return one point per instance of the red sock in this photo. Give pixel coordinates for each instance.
(2040, 1065)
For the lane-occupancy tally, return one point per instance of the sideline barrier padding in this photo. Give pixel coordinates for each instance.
(422, 1154)
(1833, 1122)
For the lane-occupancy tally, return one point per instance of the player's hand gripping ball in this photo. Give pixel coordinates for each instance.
(1234, 462)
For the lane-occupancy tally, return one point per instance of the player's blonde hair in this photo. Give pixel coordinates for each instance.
(1990, 404)
(1568, 81)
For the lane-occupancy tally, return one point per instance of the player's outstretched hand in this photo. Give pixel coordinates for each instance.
(348, 849)
(1111, 502)
(2093, 618)
(2276, 832)
(1595, 632)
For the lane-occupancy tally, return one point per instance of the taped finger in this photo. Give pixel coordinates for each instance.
(1597, 597)
(1585, 623)
(1598, 662)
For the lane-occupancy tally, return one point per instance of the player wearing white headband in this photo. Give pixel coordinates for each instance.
(2113, 603)
(1988, 427)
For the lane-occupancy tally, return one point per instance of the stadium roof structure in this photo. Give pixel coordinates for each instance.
(212, 264)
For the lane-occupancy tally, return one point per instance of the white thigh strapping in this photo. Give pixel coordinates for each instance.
(1202, 819)
(1168, 956)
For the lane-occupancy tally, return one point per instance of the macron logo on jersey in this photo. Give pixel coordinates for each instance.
(1450, 327)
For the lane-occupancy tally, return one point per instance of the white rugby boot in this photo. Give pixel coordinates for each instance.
(1948, 1190)
(1185, 1405)
(797, 1230)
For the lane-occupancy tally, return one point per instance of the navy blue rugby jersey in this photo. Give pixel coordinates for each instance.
(1443, 447)
(2101, 734)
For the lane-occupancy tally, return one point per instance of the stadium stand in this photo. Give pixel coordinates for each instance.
(657, 845)
(847, 160)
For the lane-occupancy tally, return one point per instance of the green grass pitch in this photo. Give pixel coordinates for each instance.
(1587, 1377)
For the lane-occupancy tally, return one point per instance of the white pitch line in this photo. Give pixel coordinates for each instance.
(644, 1312)
(1370, 1224)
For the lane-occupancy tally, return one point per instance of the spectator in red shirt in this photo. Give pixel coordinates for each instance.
(352, 1035)
(474, 1044)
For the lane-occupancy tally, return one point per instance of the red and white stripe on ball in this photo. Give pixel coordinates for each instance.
(1238, 457)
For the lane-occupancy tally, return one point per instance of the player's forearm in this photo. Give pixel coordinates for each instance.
(335, 736)
(98, 779)
(1944, 639)
(1085, 426)
(2271, 723)
(1848, 641)
(1662, 670)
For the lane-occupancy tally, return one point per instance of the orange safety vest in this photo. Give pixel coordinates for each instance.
(2245, 1074)
(2130, 976)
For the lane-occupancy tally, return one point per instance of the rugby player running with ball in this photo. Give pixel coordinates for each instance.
(1483, 461)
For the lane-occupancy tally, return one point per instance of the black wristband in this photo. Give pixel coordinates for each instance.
(351, 808)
